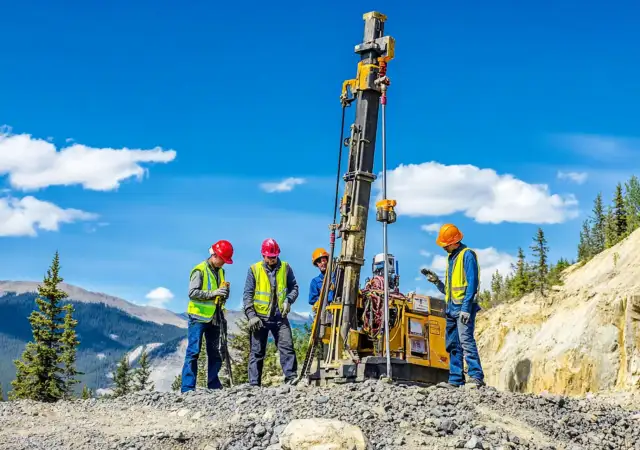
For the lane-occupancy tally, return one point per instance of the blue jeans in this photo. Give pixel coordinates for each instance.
(280, 329)
(214, 362)
(461, 341)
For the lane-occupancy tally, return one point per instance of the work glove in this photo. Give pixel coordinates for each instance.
(222, 292)
(315, 306)
(464, 317)
(286, 308)
(255, 324)
(431, 276)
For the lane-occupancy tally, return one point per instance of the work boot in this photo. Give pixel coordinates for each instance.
(474, 383)
(447, 385)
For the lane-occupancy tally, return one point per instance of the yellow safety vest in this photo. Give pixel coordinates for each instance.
(262, 292)
(200, 309)
(456, 288)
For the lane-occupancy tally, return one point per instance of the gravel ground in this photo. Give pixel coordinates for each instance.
(391, 417)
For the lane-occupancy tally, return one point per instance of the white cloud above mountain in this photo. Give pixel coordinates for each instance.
(159, 297)
(31, 163)
(434, 189)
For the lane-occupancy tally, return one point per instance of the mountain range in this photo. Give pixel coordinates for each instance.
(108, 327)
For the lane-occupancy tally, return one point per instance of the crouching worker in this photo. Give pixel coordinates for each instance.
(269, 292)
(207, 292)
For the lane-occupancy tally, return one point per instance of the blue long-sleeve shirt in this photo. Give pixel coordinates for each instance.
(470, 267)
(314, 289)
(250, 287)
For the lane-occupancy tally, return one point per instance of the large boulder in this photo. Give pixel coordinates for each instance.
(583, 336)
(322, 434)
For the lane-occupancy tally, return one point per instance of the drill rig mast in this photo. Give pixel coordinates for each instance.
(350, 327)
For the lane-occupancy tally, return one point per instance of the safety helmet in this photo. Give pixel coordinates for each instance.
(449, 234)
(270, 248)
(224, 250)
(317, 254)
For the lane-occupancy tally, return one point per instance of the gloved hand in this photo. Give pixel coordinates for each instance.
(286, 308)
(315, 306)
(222, 292)
(464, 317)
(431, 276)
(255, 324)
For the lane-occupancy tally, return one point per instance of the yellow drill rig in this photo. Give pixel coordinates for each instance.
(373, 332)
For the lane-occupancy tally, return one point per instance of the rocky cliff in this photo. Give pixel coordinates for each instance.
(583, 336)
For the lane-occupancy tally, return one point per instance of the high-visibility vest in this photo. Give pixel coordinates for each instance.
(456, 288)
(262, 292)
(203, 310)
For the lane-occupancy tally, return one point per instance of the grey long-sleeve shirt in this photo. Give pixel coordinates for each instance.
(250, 286)
(195, 287)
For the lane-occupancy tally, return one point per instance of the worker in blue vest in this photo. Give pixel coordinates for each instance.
(320, 259)
(208, 291)
(460, 288)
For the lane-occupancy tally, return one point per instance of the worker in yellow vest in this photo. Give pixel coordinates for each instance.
(269, 292)
(208, 291)
(460, 288)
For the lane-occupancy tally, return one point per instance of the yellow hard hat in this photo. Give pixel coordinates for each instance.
(317, 254)
(449, 234)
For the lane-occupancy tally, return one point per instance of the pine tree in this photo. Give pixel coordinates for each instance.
(555, 272)
(485, 301)
(38, 374)
(632, 203)
(201, 377)
(240, 346)
(541, 268)
(177, 383)
(122, 377)
(520, 283)
(68, 346)
(497, 288)
(86, 393)
(597, 235)
(585, 247)
(143, 373)
(620, 214)
(610, 231)
(1, 393)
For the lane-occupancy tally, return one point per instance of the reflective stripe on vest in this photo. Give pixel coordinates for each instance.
(262, 293)
(456, 288)
(203, 310)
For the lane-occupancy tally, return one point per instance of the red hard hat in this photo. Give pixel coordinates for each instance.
(270, 248)
(224, 250)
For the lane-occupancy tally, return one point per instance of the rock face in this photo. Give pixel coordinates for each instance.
(581, 337)
(322, 434)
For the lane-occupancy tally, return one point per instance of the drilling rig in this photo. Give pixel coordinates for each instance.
(373, 332)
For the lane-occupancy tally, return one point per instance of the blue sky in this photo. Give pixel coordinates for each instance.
(489, 105)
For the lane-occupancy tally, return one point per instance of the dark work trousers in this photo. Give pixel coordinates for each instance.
(214, 362)
(280, 329)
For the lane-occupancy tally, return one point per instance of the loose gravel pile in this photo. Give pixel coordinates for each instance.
(391, 417)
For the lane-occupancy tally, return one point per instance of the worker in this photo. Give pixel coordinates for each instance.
(320, 259)
(207, 292)
(460, 288)
(269, 291)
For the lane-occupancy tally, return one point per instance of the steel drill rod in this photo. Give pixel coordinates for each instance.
(385, 249)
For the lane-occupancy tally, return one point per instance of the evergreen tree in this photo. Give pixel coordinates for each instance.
(610, 229)
(541, 268)
(1, 393)
(143, 373)
(632, 203)
(555, 272)
(485, 301)
(68, 346)
(177, 383)
(620, 214)
(240, 347)
(520, 282)
(585, 246)
(597, 235)
(122, 377)
(38, 374)
(497, 288)
(201, 377)
(86, 393)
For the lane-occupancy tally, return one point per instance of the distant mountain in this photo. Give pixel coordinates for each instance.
(108, 327)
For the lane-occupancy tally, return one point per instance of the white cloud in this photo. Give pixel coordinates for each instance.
(285, 185)
(22, 217)
(433, 189)
(159, 297)
(34, 163)
(431, 228)
(599, 147)
(489, 260)
(425, 253)
(576, 177)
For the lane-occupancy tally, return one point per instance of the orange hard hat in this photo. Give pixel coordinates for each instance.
(449, 234)
(317, 254)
